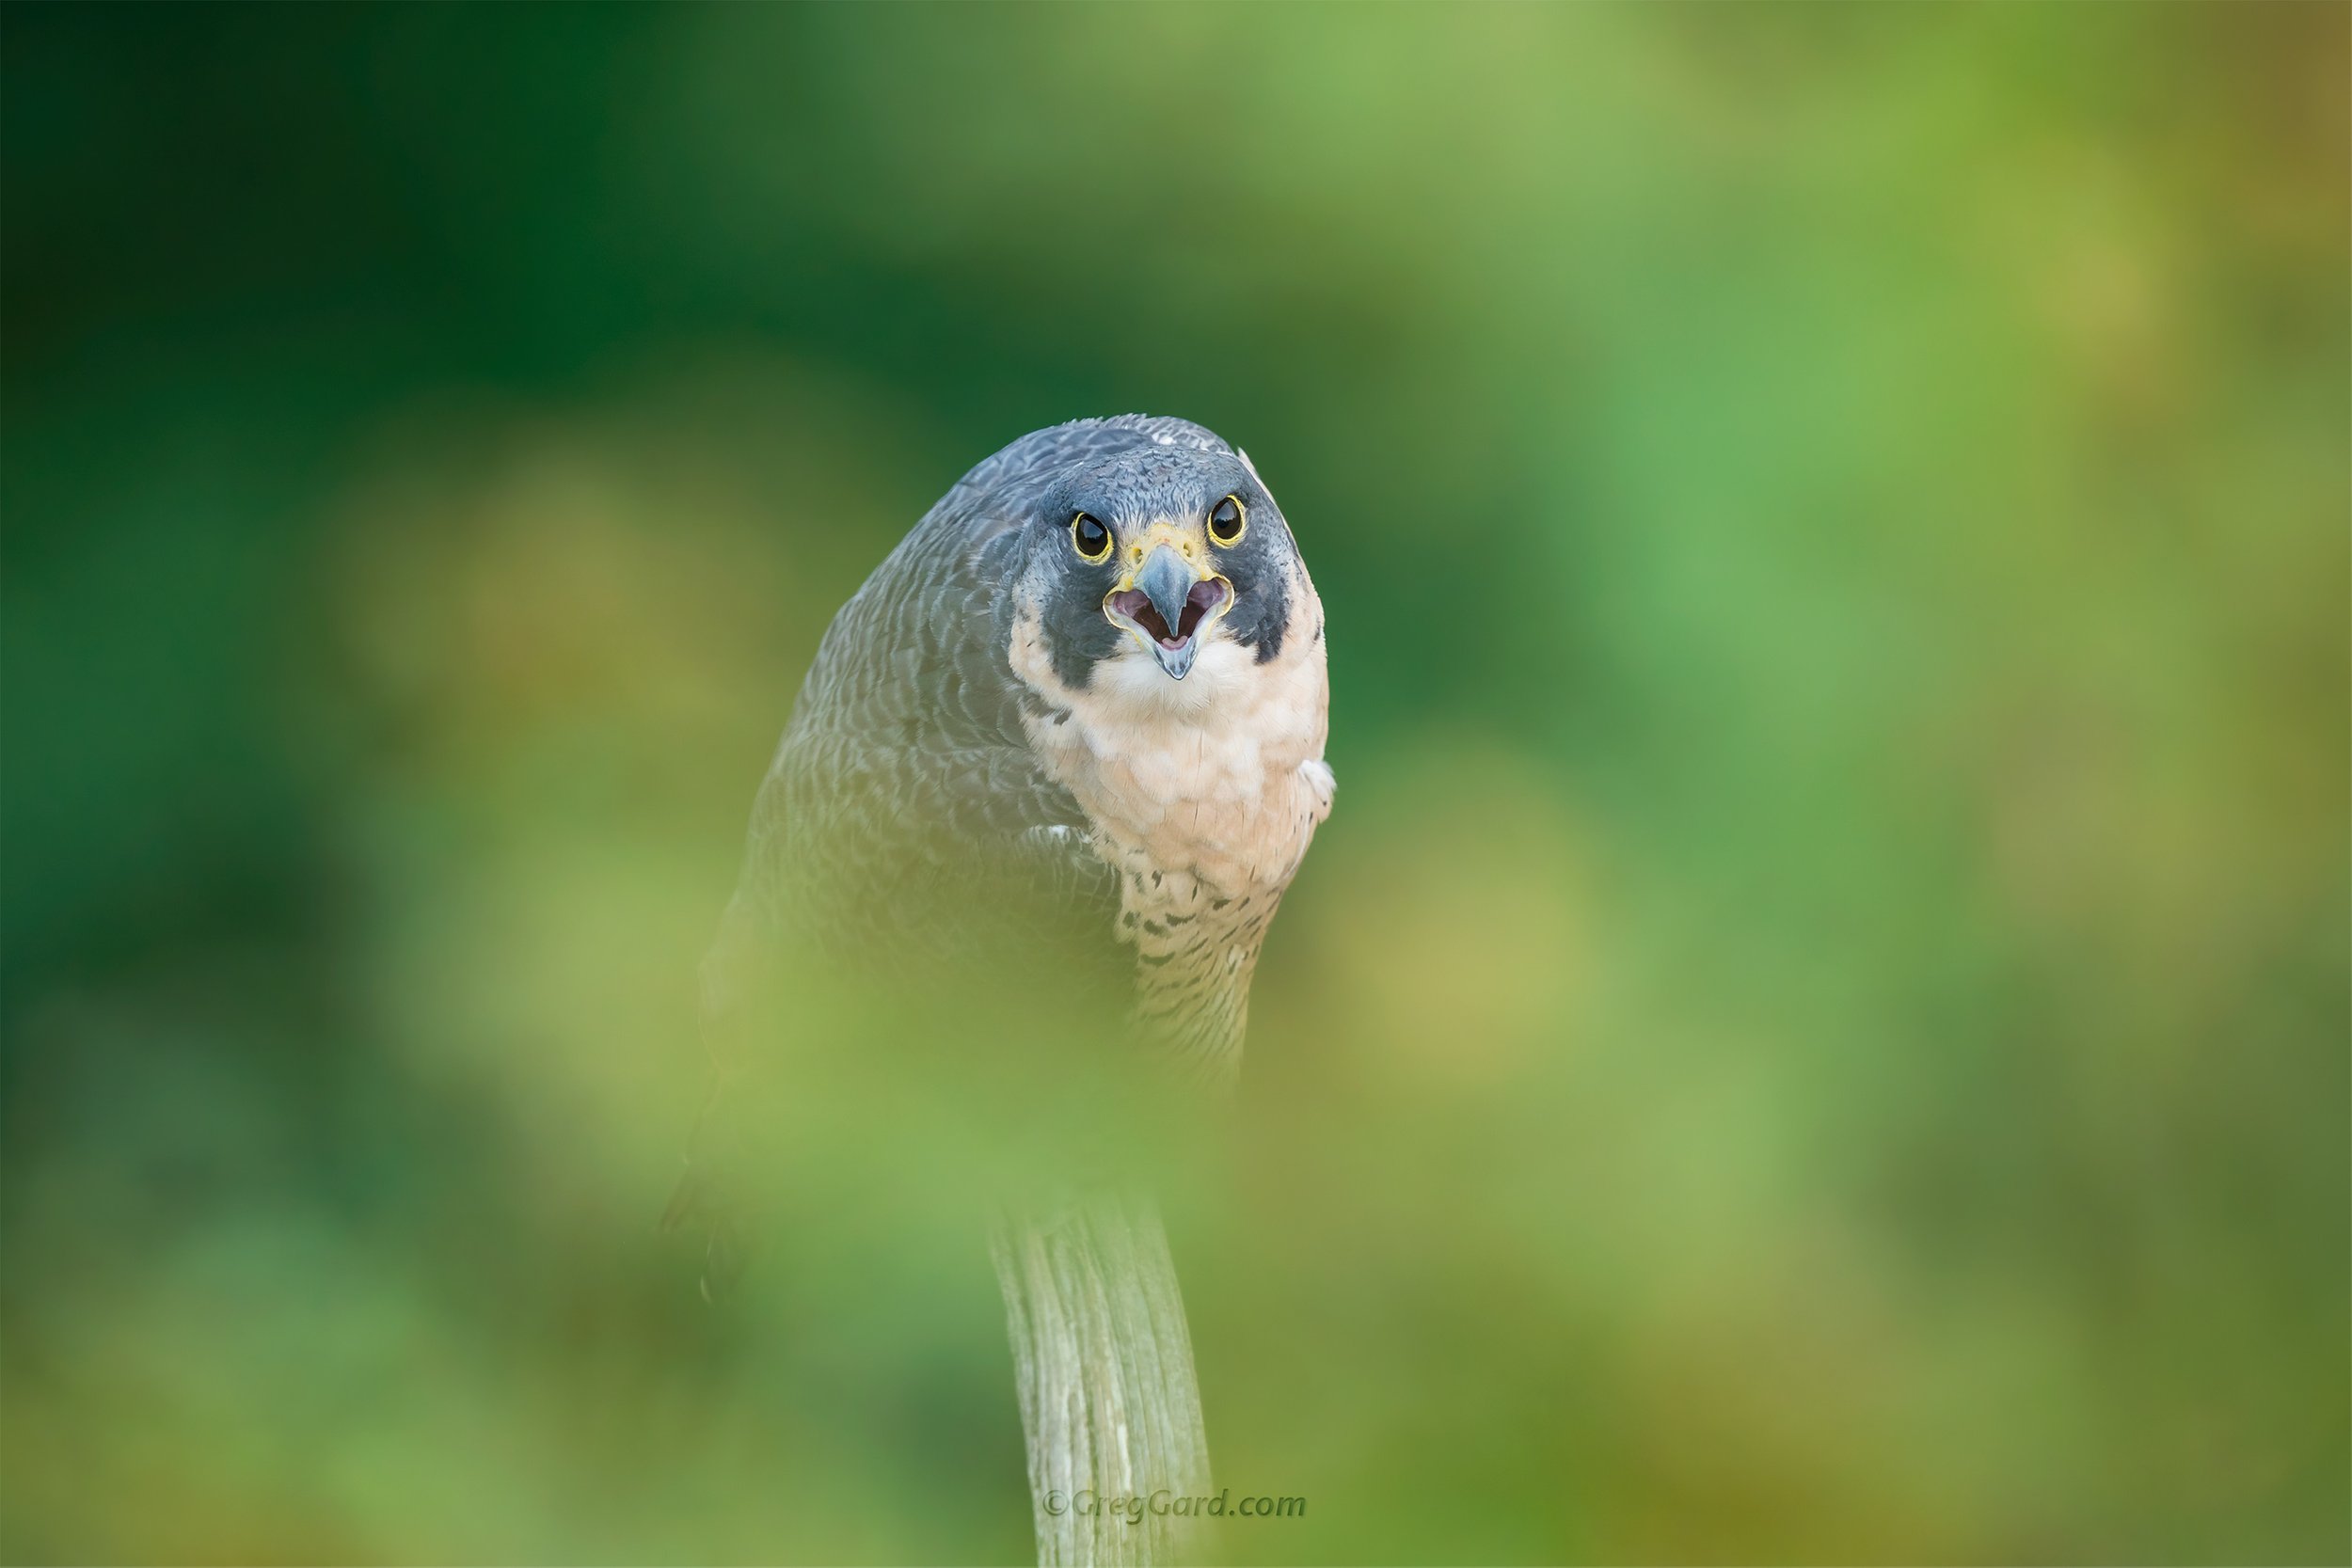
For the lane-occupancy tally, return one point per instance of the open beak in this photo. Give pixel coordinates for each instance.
(1166, 604)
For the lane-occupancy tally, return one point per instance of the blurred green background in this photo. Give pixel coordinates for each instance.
(1816, 1031)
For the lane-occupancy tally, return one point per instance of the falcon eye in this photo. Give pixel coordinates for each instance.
(1227, 521)
(1093, 540)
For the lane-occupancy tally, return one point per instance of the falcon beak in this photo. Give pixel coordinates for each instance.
(1167, 604)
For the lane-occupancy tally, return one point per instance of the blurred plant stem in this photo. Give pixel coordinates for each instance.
(1104, 1360)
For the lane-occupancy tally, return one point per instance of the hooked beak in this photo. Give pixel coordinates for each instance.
(1166, 604)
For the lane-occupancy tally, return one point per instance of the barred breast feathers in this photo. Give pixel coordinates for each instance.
(1202, 796)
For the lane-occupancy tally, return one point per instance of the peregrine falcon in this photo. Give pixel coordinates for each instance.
(1065, 746)
(1083, 701)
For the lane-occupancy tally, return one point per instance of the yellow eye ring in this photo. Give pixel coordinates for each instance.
(1090, 539)
(1227, 521)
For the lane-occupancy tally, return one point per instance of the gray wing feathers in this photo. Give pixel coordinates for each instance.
(905, 770)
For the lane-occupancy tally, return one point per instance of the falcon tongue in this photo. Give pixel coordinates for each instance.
(1167, 579)
(1203, 596)
(1167, 605)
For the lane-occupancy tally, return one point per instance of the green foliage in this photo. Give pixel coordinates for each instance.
(1817, 1028)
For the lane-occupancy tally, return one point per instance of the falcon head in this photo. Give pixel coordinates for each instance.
(1151, 554)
